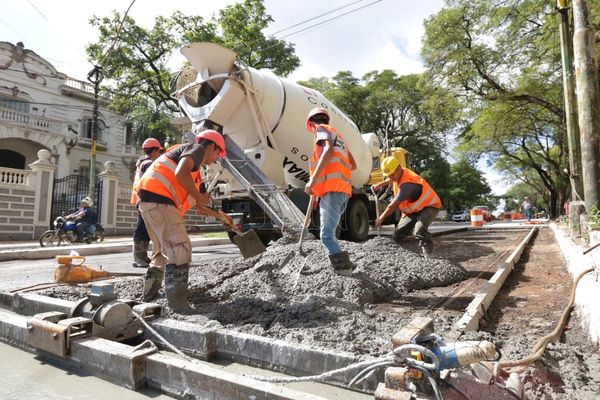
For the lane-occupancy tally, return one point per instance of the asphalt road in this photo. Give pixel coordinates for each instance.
(22, 273)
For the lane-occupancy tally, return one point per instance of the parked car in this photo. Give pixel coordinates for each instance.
(487, 214)
(460, 216)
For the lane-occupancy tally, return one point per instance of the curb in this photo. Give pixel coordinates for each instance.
(89, 250)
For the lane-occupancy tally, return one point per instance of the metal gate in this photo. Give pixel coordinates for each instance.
(68, 192)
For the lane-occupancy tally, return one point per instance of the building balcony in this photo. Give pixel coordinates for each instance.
(11, 117)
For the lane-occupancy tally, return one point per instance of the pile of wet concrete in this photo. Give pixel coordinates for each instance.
(302, 299)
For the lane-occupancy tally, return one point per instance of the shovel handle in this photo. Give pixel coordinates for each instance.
(376, 208)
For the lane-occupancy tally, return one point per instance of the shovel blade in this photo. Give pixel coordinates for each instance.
(249, 244)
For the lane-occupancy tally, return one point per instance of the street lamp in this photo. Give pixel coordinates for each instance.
(95, 77)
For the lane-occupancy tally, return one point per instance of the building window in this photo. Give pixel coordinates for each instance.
(86, 128)
(14, 104)
(128, 134)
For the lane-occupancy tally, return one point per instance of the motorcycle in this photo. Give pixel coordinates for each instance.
(65, 230)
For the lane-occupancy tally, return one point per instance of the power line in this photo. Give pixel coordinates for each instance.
(316, 17)
(37, 9)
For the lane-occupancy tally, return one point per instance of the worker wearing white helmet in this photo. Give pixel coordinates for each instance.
(141, 241)
(415, 198)
(331, 169)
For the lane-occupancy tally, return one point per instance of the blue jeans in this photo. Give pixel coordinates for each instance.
(528, 214)
(331, 206)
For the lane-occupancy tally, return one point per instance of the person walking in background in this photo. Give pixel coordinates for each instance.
(330, 169)
(415, 198)
(141, 241)
(168, 188)
(527, 208)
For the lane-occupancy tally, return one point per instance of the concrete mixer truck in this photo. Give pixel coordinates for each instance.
(263, 120)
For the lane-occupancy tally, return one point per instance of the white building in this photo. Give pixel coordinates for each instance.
(41, 108)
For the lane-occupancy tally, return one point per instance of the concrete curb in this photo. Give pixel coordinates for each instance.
(206, 340)
(89, 250)
(482, 301)
(586, 297)
(127, 366)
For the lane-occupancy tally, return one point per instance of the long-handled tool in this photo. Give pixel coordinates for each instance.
(307, 217)
(248, 242)
(377, 213)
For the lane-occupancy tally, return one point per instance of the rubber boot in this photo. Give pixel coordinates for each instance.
(152, 282)
(341, 262)
(140, 254)
(176, 287)
(145, 249)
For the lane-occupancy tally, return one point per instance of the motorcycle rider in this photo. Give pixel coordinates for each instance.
(86, 217)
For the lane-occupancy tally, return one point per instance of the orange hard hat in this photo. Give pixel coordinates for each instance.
(214, 137)
(312, 113)
(150, 143)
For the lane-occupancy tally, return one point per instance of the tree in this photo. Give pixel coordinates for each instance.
(393, 107)
(135, 59)
(500, 59)
(466, 187)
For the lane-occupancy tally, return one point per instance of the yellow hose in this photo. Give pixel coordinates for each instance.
(541, 344)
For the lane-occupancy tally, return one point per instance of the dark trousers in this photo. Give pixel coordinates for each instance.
(418, 224)
(81, 228)
(141, 233)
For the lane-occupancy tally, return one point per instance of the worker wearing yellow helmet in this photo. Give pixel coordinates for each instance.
(415, 198)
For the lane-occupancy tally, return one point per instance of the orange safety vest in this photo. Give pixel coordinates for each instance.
(428, 198)
(138, 175)
(160, 179)
(337, 174)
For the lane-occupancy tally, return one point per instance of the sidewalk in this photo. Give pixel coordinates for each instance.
(31, 250)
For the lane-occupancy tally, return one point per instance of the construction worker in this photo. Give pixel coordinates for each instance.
(331, 169)
(141, 241)
(165, 192)
(415, 198)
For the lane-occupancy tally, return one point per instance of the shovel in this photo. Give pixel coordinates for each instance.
(248, 242)
(376, 209)
(292, 253)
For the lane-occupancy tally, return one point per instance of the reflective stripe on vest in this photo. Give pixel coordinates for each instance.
(138, 174)
(428, 198)
(336, 176)
(160, 179)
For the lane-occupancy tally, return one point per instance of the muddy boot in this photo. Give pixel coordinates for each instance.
(341, 262)
(176, 287)
(140, 254)
(152, 282)
(146, 248)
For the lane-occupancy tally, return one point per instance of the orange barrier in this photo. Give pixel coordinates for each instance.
(476, 217)
(507, 216)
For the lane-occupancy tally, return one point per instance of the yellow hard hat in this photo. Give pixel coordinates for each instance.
(389, 165)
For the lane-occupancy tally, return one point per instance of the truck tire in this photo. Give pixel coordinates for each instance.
(356, 221)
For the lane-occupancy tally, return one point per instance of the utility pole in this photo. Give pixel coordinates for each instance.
(95, 77)
(588, 102)
(566, 49)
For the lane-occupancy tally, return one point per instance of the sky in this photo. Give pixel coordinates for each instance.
(374, 35)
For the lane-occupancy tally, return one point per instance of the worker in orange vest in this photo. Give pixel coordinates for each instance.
(415, 198)
(166, 191)
(141, 241)
(331, 169)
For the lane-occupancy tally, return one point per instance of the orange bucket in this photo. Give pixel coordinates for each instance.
(476, 217)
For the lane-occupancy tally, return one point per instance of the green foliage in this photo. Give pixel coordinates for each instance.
(500, 61)
(136, 66)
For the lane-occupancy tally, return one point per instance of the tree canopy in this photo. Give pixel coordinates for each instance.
(136, 59)
(500, 60)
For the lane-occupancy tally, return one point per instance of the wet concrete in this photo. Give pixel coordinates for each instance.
(28, 377)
